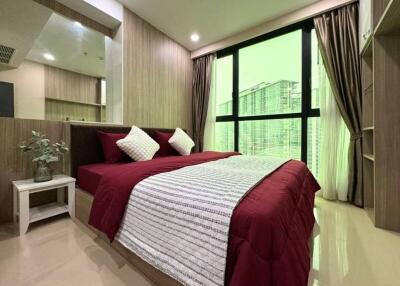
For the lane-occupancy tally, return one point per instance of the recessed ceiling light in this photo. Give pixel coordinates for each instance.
(195, 37)
(48, 56)
(77, 23)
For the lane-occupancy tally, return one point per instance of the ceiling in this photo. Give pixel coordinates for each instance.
(213, 20)
(93, 11)
(20, 23)
(74, 47)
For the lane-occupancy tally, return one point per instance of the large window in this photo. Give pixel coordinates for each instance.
(267, 95)
(270, 76)
(224, 85)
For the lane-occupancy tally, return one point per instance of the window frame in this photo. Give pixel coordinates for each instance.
(306, 90)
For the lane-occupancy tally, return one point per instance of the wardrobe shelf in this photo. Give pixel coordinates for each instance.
(368, 87)
(369, 157)
(367, 50)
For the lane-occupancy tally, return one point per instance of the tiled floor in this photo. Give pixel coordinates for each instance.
(62, 253)
(348, 251)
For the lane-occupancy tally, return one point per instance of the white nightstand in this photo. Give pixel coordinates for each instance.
(23, 188)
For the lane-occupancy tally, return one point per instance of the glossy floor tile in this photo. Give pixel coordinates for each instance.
(61, 252)
(348, 251)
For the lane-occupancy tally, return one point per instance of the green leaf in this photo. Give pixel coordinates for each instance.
(42, 149)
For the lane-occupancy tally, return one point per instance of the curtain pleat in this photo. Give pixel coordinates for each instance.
(335, 139)
(202, 72)
(337, 33)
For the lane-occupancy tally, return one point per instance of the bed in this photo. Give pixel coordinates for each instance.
(269, 229)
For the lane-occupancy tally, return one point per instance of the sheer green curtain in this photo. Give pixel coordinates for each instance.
(210, 128)
(335, 140)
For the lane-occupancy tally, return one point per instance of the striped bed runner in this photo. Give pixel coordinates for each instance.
(179, 221)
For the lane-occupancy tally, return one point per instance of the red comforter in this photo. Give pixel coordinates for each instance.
(269, 231)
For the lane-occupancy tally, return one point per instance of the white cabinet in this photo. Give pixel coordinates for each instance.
(365, 24)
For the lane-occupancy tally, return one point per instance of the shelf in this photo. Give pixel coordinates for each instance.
(389, 23)
(75, 102)
(367, 49)
(46, 211)
(370, 128)
(58, 181)
(369, 157)
(368, 87)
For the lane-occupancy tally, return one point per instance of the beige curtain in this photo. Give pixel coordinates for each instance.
(202, 72)
(337, 33)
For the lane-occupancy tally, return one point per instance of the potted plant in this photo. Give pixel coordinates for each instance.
(43, 153)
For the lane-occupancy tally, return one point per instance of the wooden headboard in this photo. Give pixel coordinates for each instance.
(86, 147)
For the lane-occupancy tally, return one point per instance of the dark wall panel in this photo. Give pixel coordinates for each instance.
(6, 99)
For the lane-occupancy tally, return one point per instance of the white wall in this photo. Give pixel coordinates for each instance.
(114, 78)
(110, 7)
(106, 12)
(28, 80)
(20, 24)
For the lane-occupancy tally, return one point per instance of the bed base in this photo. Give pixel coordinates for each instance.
(83, 204)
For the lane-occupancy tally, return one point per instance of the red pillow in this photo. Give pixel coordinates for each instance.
(165, 148)
(111, 151)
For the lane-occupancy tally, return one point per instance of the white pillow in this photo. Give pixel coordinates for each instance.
(181, 142)
(138, 145)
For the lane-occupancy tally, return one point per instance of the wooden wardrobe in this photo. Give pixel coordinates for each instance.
(380, 54)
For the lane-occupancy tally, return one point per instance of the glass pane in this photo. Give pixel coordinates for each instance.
(224, 136)
(278, 138)
(317, 68)
(223, 86)
(270, 76)
(313, 145)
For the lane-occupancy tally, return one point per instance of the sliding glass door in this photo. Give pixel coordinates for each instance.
(267, 96)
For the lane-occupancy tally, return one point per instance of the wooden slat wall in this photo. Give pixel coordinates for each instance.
(58, 110)
(157, 77)
(387, 135)
(14, 165)
(378, 8)
(67, 85)
(76, 88)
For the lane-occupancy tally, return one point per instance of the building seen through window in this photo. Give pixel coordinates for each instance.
(270, 112)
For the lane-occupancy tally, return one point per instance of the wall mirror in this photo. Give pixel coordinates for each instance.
(55, 68)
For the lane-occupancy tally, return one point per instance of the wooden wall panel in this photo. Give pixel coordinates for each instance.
(14, 165)
(387, 135)
(378, 7)
(58, 110)
(67, 85)
(157, 77)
